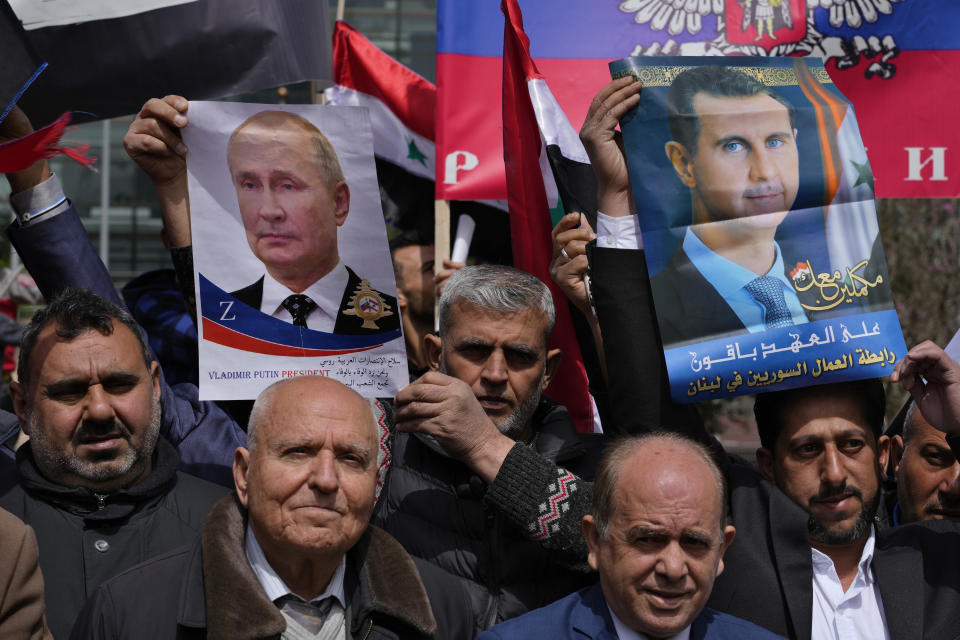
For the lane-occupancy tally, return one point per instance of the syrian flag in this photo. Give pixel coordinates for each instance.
(537, 134)
(402, 108)
(851, 214)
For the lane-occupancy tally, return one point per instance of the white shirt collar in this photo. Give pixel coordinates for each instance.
(626, 633)
(823, 564)
(274, 586)
(327, 292)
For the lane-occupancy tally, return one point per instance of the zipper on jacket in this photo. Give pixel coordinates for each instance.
(101, 500)
(493, 577)
(369, 629)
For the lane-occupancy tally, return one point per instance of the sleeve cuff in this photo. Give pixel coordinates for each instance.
(45, 200)
(618, 233)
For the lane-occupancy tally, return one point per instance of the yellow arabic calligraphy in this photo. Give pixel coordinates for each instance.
(835, 289)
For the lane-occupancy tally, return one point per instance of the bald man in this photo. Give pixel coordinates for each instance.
(656, 535)
(293, 198)
(291, 553)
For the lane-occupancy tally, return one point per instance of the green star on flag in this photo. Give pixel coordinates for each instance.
(864, 175)
(413, 153)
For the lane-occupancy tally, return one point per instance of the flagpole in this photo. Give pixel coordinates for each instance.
(341, 5)
(441, 245)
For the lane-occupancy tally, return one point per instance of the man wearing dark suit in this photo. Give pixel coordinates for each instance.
(657, 534)
(734, 146)
(810, 557)
(293, 197)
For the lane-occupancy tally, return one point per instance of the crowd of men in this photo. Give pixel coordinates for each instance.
(153, 514)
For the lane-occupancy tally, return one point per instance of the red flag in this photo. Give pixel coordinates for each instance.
(530, 222)
(17, 155)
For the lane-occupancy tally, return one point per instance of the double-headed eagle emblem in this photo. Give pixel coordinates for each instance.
(768, 27)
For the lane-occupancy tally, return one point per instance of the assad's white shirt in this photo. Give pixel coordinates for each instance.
(327, 292)
(854, 614)
(274, 586)
(626, 633)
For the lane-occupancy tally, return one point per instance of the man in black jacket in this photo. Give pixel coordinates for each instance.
(479, 450)
(97, 482)
(290, 554)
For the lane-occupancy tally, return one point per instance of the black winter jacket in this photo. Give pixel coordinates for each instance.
(439, 510)
(84, 539)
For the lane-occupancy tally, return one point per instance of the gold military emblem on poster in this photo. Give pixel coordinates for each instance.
(367, 304)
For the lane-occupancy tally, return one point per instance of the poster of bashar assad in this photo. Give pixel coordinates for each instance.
(291, 261)
(755, 200)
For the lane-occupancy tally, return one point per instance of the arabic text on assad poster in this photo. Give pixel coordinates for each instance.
(756, 204)
(292, 267)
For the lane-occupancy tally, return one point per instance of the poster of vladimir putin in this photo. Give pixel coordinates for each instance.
(292, 266)
(755, 201)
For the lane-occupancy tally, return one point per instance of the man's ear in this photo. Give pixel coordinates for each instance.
(592, 537)
(896, 452)
(241, 465)
(682, 162)
(401, 300)
(728, 533)
(765, 462)
(19, 396)
(433, 346)
(554, 357)
(155, 378)
(883, 452)
(341, 202)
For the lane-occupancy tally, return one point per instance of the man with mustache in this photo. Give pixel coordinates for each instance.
(925, 466)
(479, 449)
(735, 147)
(811, 558)
(97, 481)
(293, 198)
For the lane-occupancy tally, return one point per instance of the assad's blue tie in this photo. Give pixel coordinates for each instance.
(768, 291)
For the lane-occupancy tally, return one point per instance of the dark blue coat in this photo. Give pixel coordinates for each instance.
(584, 614)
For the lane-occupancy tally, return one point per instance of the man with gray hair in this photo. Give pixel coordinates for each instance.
(478, 448)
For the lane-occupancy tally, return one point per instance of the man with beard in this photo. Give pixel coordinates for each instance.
(806, 561)
(97, 483)
(926, 469)
(478, 449)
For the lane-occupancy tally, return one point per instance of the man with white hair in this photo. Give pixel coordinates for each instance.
(290, 554)
(479, 448)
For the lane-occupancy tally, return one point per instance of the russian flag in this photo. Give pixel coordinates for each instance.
(898, 62)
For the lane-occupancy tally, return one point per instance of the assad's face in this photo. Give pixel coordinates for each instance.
(746, 167)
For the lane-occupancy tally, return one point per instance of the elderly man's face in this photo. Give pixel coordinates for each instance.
(502, 356)
(308, 484)
(92, 408)
(665, 542)
(746, 162)
(928, 475)
(290, 212)
(828, 461)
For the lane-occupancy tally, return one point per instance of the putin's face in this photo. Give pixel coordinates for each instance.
(746, 166)
(290, 209)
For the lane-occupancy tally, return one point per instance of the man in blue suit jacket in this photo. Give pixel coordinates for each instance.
(656, 536)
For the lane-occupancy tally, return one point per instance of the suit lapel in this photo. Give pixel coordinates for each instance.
(703, 307)
(791, 547)
(899, 574)
(590, 618)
